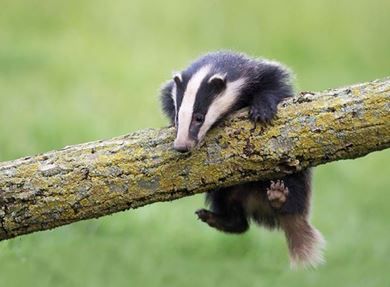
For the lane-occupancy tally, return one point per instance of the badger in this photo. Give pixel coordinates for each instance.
(211, 88)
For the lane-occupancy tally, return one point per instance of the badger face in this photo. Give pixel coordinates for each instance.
(200, 101)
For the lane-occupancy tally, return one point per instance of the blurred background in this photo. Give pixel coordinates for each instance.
(76, 71)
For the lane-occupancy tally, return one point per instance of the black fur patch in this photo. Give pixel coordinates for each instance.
(167, 103)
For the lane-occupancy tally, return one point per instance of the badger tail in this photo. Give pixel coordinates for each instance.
(305, 243)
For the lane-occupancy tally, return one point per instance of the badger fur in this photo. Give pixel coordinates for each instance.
(213, 86)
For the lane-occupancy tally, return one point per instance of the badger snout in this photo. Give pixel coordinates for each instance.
(184, 145)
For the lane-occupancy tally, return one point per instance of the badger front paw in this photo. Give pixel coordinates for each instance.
(261, 114)
(277, 193)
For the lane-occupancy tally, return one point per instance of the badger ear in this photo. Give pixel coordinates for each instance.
(218, 80)
(177, 78)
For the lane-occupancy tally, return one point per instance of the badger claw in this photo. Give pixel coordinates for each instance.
(262, 115)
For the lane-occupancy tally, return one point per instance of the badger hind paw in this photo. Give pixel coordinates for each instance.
(277, 193)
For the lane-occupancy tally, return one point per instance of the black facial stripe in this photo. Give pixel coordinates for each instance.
(204, 98)
(194, 130)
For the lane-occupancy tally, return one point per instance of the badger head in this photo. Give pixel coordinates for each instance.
(199, 99)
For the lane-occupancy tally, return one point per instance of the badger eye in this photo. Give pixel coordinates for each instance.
(199, 118)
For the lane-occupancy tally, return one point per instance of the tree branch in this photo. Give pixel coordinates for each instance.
(99, 178)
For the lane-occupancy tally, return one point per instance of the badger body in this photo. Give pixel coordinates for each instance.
(214, 86)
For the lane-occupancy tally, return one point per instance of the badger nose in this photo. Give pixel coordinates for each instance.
(182, 146)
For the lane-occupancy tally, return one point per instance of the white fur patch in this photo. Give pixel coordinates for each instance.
(187, 105)
(221, 105)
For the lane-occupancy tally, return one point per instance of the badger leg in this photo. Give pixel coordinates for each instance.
(230, 223)
(290, 198)
(273, 87)
(226, 214)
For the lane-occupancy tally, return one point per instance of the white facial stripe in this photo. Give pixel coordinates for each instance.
(221, 105)
(174, 97)
(187, 105)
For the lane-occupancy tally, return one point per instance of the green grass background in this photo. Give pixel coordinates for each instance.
(75, 71)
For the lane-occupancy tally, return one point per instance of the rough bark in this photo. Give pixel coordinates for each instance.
(99, 178)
